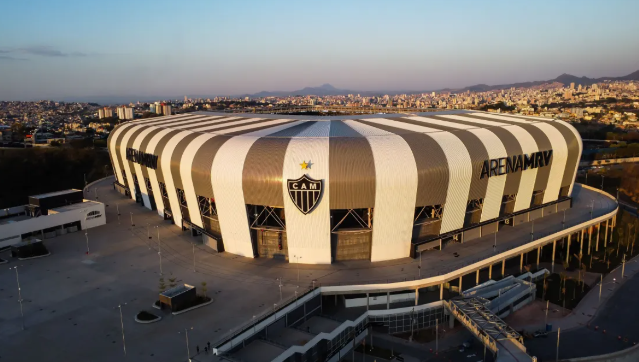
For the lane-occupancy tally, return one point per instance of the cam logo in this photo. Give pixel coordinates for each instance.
(305, 193)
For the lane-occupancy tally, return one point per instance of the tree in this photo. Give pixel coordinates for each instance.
(204, 290)
(162, 286)
(172, 282)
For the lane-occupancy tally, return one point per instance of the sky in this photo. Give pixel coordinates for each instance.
(57, 49)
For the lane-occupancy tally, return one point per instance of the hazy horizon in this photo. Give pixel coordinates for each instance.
(64, 49)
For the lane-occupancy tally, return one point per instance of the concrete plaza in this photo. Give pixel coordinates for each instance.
(71, 299)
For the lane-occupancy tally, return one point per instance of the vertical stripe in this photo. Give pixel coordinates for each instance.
(165, 160)
(226, 176)
(186, 167)
(395, 192)
(559, 158)
(138, 168)
(126, 164)
(528, 146)
(153, 174)
(263, 168)
(308, 236)
(496, 184)
(460, 169)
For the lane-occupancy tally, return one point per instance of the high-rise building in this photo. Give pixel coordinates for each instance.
(125, 112)
(572, 86)
(120, 111)
(158, 107)
(108, 112)
(186, 99)
(166, 109)
(128, 113)
(152, 107)
(100, 113)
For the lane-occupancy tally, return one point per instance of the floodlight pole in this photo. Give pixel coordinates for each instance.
(159, 249)
(86, 234)
(122, 325)
(19, 295)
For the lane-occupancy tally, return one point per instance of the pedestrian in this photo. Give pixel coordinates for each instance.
(209, 345)
(206, 350)
(197, 349)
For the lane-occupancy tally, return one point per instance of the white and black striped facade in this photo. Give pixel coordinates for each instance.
(388, 183)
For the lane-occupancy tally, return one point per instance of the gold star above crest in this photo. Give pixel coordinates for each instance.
(306, 165)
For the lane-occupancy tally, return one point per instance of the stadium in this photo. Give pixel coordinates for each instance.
(323, 189)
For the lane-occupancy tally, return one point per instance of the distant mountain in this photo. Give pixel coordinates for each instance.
(329, 90)
(323, 90)
(564, 79)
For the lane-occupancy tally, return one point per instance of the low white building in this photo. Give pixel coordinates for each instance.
(17, 225)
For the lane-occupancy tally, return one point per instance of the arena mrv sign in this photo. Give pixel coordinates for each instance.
(144, 159)
(504, 165)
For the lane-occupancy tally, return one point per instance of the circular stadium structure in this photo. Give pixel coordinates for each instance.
(315, 190)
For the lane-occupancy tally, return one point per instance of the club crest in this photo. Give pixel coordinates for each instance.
(305, 193)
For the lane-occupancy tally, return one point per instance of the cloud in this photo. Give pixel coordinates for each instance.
(8, 57)
(43, 51)
(47, 51)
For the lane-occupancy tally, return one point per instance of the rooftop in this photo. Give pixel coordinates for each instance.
(55, 193)
(76, 206)
(175, 291)
(332, 126)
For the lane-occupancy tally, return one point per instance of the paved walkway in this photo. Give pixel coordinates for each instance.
(615, 314)
(434, 263)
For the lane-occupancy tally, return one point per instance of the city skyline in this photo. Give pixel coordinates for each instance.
(216, 48)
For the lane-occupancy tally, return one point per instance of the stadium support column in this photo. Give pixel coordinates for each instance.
(581, 242)
(597, 238)
(416, 295)
(441, 291)
(490, 272)
(568, 249)
(589, 238)
(477, 277)
(606, 234)
(460, 284)
(387, 300)
(538, 256)
(503, 268)
(554, 247)
(521, 262)
(367, 301)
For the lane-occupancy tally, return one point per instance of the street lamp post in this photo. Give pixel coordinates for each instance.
(436, 336)
(546, 317)
(557, 356)
(188, 351)
(280, 285)
(297, 261)
(19, 295)
(132, 224)
(602, 181)
(600, 286)
(159, 249)
(193, 245)
(122, 325)
(86, 234)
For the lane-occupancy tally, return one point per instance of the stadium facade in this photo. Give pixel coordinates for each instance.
(320, 189)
